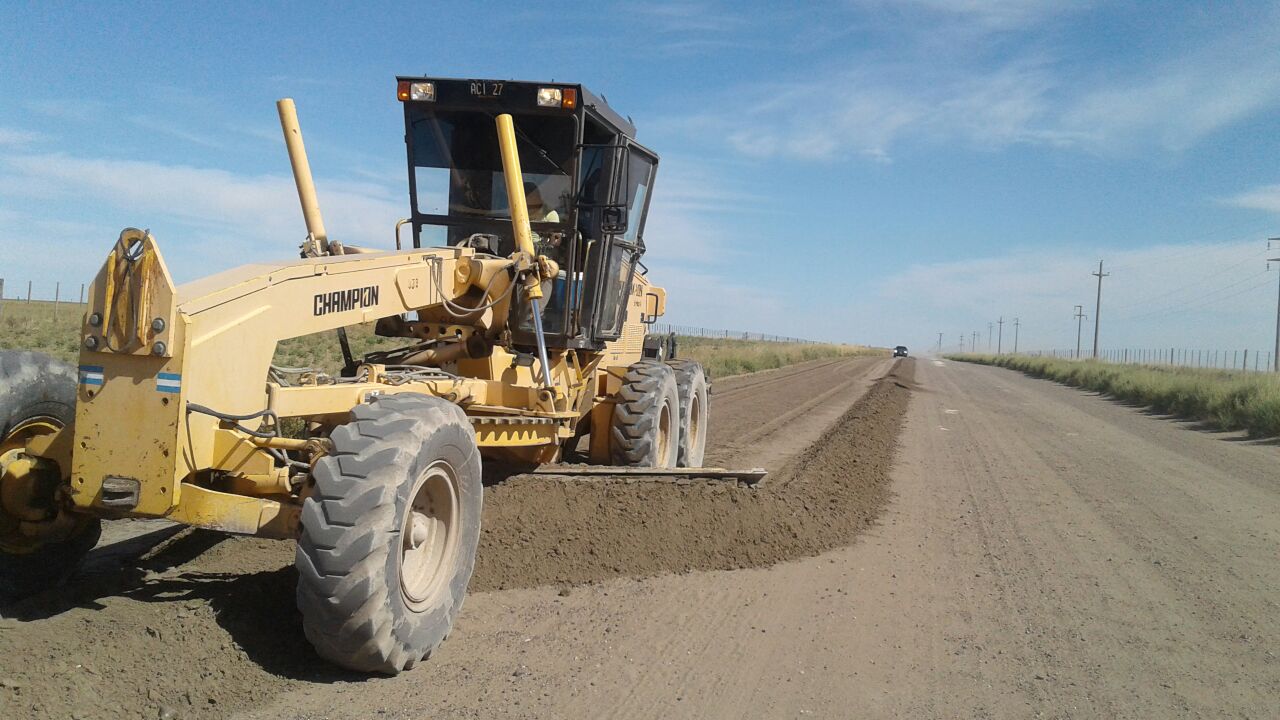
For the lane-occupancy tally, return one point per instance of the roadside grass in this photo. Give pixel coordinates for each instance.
(724, 357)
(1228, 400)
(33, 327)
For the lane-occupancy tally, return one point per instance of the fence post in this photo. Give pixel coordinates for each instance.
(28, 292)
(1245, 365)
(81, 293)
(57, 290)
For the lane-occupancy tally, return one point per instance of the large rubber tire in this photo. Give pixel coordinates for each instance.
(695, 411)
(35, 387)
(645, 431)
(352, 560)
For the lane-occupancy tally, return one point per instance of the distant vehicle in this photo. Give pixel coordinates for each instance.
(900, 351)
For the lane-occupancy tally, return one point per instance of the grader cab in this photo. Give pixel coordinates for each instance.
(520, 308)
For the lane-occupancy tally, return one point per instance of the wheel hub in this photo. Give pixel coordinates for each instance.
(26, 486)
(428, 535)
(421, 531)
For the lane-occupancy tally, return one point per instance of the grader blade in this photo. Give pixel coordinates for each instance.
(749, 477)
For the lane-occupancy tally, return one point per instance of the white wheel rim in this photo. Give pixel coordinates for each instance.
(429, 535)
(664, 435)
(695, 422)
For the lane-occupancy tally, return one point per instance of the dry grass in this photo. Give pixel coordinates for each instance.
(1229, 400)
(33, 327)
(734, 357)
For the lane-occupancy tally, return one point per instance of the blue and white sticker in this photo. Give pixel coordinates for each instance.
(168, 382)
(90, 375)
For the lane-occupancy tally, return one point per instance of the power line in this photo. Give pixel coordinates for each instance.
(1203, 300)
(1276, 354)
(1080, 317)
(1097, 308)
(1181, 288)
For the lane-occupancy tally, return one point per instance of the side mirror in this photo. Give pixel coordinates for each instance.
(652, 309)
(613, 219)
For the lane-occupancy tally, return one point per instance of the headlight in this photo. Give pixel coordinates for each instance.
(549, 97)
(422, 91)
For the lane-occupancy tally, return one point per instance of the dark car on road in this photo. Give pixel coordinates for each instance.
(900, 351)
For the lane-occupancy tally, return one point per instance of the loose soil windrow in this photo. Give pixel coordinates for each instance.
(204, 624)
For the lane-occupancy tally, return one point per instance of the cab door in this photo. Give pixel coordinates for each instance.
(621, 231)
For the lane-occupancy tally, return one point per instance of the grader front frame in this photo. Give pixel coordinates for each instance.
(177, 410)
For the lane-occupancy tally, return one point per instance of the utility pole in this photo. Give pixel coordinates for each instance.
(1016, 323)
(974, 345)
(1000, 337)
(939, 343)
(1276, 354)
(990, 327)
(962, 342)
(1097, 309)
(1079, 316)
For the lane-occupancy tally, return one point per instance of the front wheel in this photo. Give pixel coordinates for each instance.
(41, 542)
(389, 534)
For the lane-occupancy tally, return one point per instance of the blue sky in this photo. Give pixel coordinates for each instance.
(864, 171)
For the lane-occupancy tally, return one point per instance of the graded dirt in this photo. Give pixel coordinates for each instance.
(203, 625)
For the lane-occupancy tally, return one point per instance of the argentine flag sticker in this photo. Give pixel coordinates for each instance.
(168, 382)
(90, 375)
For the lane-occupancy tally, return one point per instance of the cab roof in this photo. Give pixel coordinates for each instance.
(592, 104)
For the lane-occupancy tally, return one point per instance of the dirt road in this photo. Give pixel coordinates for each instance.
(1046, 553)
(204, 625)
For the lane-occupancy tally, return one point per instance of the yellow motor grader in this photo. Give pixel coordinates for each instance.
(522, 308)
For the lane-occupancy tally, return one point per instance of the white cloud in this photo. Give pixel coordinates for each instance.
(1266, 197)
(945, 81)
(705, 299)
(1000, 13)
(199, 214)
(1189, 296)
(15, 137)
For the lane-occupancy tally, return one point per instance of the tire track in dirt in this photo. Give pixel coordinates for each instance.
(773, 377)
(206, 625)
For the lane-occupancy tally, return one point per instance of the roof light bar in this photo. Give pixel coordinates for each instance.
(549, 97)
(419, 91)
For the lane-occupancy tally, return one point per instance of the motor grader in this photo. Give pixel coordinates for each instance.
(520, 310)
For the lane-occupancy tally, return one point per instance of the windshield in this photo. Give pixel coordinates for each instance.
(458, 166)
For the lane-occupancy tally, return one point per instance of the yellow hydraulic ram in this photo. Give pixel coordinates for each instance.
(302, 174)
(523, 234)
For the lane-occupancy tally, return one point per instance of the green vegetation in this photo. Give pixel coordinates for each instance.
(1229, 400)
(34, 327)
(723, 358)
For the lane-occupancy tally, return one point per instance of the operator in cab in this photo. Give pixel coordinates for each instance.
(538, 211)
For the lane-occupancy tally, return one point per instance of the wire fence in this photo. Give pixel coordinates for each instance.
(1243, 359)
(54, 297)
(31, 291)
(62, 295)
(691, 331)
